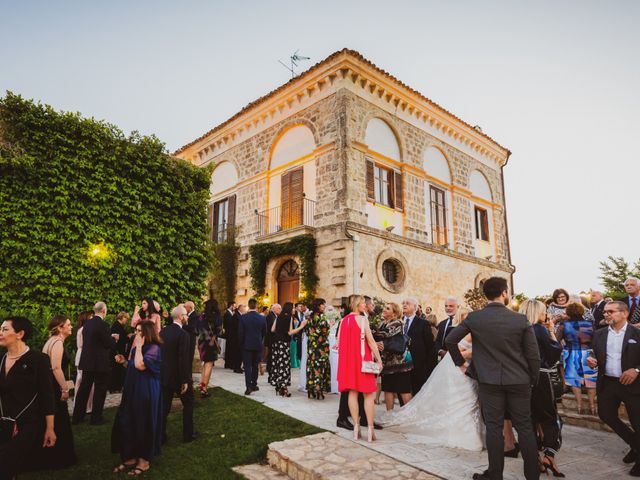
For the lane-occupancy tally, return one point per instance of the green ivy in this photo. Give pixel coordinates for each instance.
(222, 271)
(91, 214)
(304, 246)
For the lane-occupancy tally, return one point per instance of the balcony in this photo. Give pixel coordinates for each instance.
(297, 213)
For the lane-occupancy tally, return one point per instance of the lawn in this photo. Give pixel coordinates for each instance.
(233, 431)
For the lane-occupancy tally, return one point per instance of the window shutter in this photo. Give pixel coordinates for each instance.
(231, 221)
(296, 191)
(210, 220)
(214, 229)
(285, 195)
(371, 188)
(397, 190)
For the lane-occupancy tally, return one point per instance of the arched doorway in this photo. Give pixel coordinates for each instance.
(288, 282)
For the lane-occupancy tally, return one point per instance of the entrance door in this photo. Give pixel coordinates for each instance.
(288, 282)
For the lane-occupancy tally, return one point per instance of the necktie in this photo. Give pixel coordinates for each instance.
(634, 304)
(406, 325)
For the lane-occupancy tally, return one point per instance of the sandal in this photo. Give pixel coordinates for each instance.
(137, 471)
(124, 467)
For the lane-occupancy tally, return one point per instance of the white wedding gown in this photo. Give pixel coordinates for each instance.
(445, 412)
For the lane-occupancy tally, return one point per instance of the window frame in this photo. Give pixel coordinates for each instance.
(438, 211)
(481, 222)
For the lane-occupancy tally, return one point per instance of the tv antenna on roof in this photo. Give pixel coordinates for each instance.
(294, 59)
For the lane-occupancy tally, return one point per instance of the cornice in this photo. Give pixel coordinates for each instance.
(343, 69)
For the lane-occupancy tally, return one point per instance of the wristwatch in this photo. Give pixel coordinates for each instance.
(637, 370)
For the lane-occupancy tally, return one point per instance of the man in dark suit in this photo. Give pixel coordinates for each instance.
(251, 334)
(232, 350)
(506, 362)
(632, 287)
(118, 369)
(98, 348)
(175, 373)
(446, 326)
(597, 309)
(190, 325)
(422, 346)
(617, 356)
(272, 316)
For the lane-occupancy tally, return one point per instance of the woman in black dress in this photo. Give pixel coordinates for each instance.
(207, 328)
(26, 399)
(63, 454)
(396, 379)
(280, 373)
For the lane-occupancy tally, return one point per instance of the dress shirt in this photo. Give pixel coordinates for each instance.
(613, 365)
(408, 321)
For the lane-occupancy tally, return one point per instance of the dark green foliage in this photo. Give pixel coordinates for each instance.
(69, 184)
(233, 431)
(475, 299)
(222, 272)
(304, 246)
(615, 270)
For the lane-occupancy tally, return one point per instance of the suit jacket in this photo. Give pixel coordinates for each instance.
(176, 362)
(442, 334)
(505, 351)
(630, 354)
(252, 329)
(635, 318)
(271, 317)
(228, 324)
(98, 346)
(422, 349)
(121, 344)
(598, 315)
(190, 328)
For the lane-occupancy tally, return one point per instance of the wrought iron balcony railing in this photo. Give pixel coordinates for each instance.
(296, 213)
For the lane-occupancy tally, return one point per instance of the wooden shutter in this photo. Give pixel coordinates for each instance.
(214, 229)
(371, 186)
(297, 198)
(397, 190)
(210, 220)
(231, 218)
(285, 195)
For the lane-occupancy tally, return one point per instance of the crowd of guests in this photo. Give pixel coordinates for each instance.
(359, 351)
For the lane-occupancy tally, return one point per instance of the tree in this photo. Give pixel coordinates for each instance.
(615, 270)
(475, 299)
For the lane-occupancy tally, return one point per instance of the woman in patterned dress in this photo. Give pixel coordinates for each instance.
(280, 373)
(317, 330)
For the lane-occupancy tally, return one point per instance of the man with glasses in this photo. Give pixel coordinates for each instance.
(617, 356)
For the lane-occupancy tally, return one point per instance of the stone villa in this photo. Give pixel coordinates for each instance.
(402, 197)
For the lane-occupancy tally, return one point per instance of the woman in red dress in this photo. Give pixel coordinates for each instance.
(354, 330)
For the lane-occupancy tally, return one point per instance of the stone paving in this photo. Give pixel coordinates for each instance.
(586, 454)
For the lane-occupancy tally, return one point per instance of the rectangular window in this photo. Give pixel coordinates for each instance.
(384, 185)
(438, 216)
(222, 219)
(482, 224)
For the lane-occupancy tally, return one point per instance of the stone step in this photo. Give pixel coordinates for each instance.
(259, 472)
(328, 456)
(570, 404)
(593, 422)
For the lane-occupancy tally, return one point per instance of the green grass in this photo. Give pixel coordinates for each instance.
(233, 431)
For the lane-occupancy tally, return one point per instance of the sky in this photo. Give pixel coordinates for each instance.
(556, 82)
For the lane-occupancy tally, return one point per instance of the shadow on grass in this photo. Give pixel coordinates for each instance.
(233, 431)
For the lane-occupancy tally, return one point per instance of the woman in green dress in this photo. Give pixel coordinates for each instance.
(318, 366)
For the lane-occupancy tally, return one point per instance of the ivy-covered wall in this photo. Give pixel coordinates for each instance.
(87, 214)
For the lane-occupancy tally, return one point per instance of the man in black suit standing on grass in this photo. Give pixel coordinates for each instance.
(98, 348)
(617, 356)
(175, 373)
(251, 333)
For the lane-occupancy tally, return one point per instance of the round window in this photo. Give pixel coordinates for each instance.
(390, 269)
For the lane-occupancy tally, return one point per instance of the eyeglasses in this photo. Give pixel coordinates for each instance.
(610, 312)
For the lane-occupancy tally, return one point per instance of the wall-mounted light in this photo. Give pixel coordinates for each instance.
(389, 228)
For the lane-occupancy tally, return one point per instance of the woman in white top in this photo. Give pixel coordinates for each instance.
(82, 317)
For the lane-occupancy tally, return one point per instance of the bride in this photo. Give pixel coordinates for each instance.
(445, 412)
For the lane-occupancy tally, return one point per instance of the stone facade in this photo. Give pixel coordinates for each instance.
(335, 100)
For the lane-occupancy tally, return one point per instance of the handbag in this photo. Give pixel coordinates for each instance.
(397, 343)
(368, 366)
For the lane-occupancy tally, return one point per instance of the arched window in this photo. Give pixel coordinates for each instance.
(384, 182)
(437, 195)
(380, 138)
(480, 188)
(221, 212)
(293, 144)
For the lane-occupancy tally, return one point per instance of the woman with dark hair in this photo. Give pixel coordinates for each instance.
(280, 373)
(63, 454)
(207, 328)
(137, 428)
(148, 310)
(556, 310)
(82, 318)
(318, 368)
(576, 334)
(27, 405)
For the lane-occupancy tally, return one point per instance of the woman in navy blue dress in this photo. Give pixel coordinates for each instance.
(137, 427)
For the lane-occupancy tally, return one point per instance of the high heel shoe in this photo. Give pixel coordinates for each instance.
(548, 464)
(284, 392)
(371, 434)
(311, 394)
(513, 453)
(356, 431)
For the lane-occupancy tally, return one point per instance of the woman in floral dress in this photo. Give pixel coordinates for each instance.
(318, 369)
